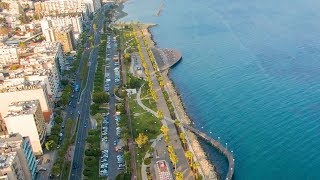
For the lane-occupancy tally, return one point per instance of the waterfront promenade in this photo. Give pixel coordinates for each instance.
(182, 165)
(218, 146)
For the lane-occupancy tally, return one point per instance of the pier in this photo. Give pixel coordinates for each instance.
(217, 145)
(165, 57)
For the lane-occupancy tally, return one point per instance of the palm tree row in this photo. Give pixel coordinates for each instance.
(152, 59)
(144, 65)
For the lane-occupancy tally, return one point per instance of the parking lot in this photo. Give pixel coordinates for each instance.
(111, 161)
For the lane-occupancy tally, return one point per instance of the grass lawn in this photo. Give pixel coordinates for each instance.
(147, 99)
(143, 121)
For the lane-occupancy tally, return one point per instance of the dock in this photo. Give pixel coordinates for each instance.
(218, 146)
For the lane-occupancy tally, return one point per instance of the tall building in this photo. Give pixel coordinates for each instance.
(47, 30)
(28, 114)
(8, 55)
(50, 24)
(65, 37)
(17, 161)
(93, 5)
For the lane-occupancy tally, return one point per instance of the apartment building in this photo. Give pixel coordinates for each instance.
(66, 38)
(24, 114)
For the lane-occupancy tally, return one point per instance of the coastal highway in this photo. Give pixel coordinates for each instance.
(84, 104)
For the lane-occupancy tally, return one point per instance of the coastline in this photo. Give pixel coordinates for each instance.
(207, 167)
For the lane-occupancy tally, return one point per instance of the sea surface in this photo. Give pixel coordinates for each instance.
(250, 75)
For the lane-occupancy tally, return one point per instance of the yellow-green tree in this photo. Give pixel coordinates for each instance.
(166, 138)
(94, 26)
(22, 45)
(164, 130)
(194, 167)
(189, 156)
(177, 122)
(183, 138)
(160, 114)
(141, 140)
(174, 159)
(170, 149)
(178, 175)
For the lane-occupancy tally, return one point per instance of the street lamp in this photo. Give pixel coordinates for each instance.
(226, 145)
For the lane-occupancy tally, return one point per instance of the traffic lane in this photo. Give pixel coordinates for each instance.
(82, 131)
(78, 154)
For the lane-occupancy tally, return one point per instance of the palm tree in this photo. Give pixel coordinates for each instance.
(164, 130)
(189, 156)
(183, 139)
(160, 114)
(170, 149)
(178, 175)
(141, 139)
(174, 159)
(195, 167)
(177, 122)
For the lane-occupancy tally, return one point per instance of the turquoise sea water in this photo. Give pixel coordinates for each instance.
(250, 74)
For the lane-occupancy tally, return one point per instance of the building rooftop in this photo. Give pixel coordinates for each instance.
(7, 159)
(22, 108)
(9, 144)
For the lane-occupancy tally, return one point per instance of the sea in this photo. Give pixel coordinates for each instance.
(250, 77)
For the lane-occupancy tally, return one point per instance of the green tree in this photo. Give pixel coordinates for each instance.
(54, 137)
(58, 120)
(56, 169)
(64, 82)
(100, 97)
(98, 117)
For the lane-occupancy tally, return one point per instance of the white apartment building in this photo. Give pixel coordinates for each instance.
(50, 24)
(93, 5)
(28, 114)
(8, 55)
(54, 7)
(47, 30)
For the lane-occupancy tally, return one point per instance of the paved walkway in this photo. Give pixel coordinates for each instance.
(170, 120)
(144, 167)
(182, 165)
